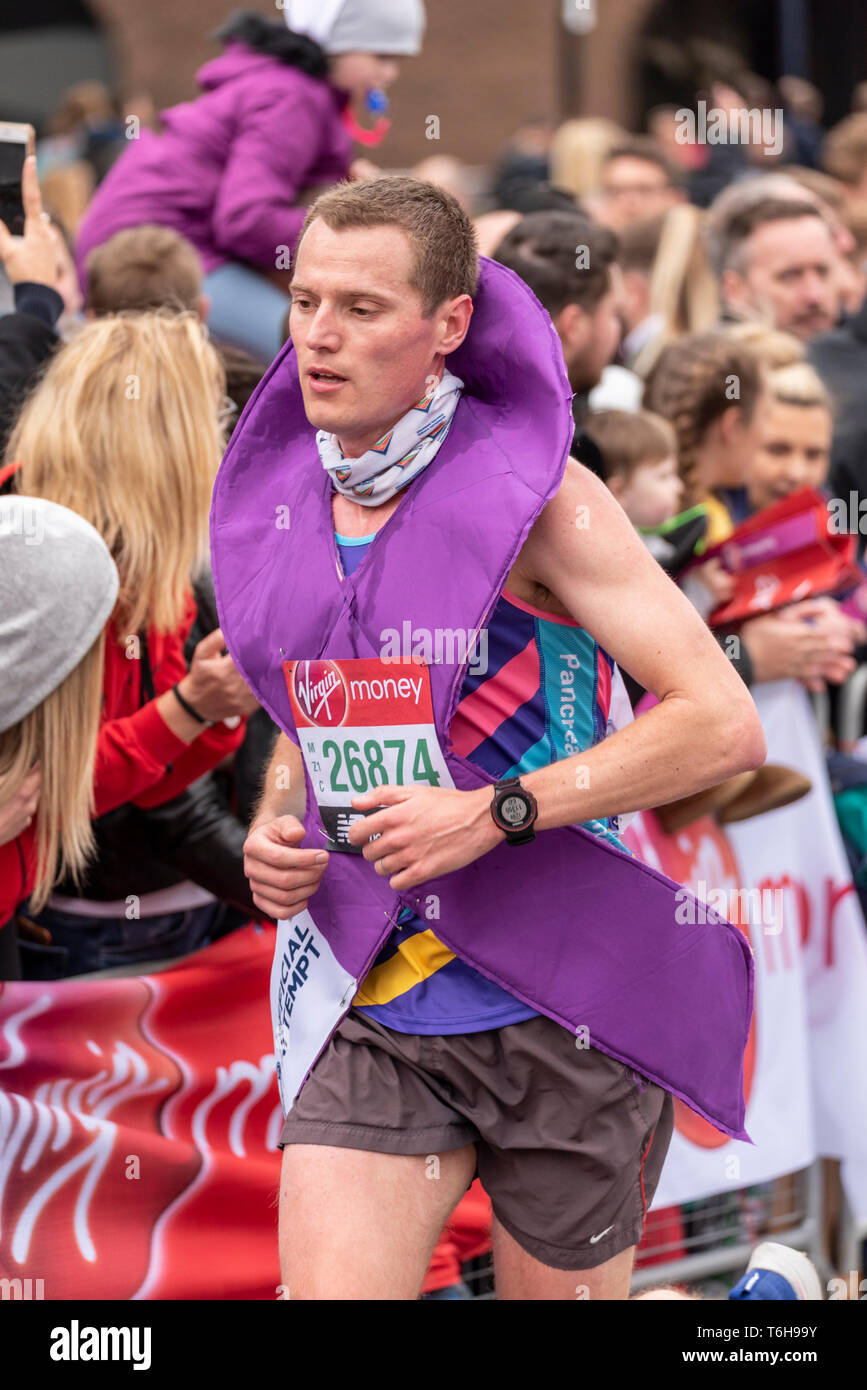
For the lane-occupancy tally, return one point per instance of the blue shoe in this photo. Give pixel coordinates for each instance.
(780, 1273)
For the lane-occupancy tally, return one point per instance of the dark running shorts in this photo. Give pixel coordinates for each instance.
(570, 1143)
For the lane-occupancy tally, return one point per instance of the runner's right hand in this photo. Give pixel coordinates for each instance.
(282, 877)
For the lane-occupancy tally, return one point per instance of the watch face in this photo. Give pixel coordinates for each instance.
(514, 809)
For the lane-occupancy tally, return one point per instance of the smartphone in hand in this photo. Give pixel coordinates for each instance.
(17, 141)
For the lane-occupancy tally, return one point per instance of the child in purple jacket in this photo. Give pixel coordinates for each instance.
(228, 170)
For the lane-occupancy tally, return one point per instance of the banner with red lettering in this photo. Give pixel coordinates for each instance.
(139, 1119)
(784, 879)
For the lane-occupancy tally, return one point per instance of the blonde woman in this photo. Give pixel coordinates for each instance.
(796, 428)
(669, 288)
(713, 387)
(578, 152)
(772, 346)
(123, 429)
(51, 654)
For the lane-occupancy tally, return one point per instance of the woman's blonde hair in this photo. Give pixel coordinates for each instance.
(798, 383)
(683, 287)
(772, 346)
(60, 733)
(669, 252)
(579, 150)
(123, 429)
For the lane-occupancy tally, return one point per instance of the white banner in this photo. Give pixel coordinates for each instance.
(806, 1063)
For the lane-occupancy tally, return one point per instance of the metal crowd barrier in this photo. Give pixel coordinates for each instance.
(851, 713)
(851, 706)
(717, 1236)
(719, 1232)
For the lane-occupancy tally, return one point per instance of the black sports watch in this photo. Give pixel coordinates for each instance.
(515, 811)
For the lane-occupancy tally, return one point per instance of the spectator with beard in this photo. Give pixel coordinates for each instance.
(570, 264)
(778, 263)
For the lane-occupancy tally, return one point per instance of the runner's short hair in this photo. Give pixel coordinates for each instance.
(441, 233)
(564, 257)
(142, 269)
(627, 439)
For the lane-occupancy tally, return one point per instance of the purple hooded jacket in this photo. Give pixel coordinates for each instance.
(572, 926)
(228, 167)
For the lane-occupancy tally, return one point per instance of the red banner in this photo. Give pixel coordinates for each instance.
(139, 1119)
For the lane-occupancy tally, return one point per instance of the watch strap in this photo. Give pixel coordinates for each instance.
(519, 835)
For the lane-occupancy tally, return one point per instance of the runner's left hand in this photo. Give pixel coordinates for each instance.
(423, 831)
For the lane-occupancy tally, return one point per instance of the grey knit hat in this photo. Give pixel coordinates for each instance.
(58, 586)
(391, 27)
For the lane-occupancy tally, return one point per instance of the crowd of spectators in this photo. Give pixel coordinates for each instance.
(710, 303)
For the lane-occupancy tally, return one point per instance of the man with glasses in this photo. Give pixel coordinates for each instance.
(638, 182)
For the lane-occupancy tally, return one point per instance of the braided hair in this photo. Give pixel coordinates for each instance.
(694, 381)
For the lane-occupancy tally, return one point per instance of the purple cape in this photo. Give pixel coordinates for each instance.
(574, 927)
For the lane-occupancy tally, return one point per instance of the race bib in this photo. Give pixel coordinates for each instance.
(310, 993)
(362, 724)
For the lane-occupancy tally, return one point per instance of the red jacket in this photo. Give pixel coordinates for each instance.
(138, 758)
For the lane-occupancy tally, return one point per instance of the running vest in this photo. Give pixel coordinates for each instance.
(570, 924)
(512, 717)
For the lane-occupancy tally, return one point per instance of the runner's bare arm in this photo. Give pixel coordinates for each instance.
(282, 876)
(705, 728)
(283, 784)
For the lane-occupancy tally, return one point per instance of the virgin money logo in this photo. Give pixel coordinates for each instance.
(321, 693)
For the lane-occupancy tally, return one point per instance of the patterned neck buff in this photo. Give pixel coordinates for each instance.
(401, 454)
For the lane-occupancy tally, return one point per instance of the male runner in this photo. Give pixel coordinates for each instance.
(435, 1067)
